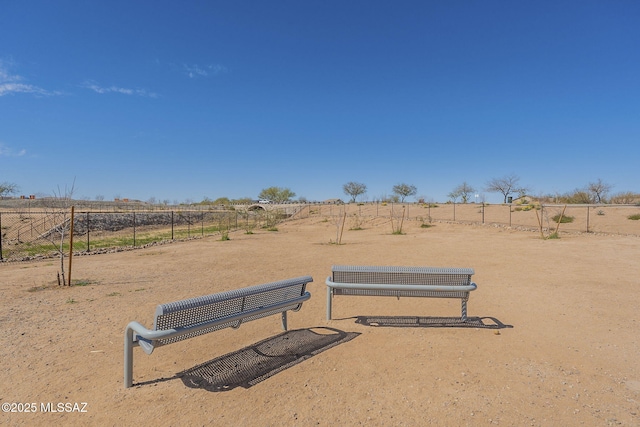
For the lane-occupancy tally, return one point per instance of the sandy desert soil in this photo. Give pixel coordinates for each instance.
(554, 338)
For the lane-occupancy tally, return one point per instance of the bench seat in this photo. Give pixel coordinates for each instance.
(180, 320)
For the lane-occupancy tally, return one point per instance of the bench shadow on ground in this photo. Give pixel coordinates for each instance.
(430, 322)
(257, 362)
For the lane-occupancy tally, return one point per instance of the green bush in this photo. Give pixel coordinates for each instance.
(634, 217)
(565, 219)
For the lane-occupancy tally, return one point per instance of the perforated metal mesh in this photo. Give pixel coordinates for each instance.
(195, 311)
(402, 276)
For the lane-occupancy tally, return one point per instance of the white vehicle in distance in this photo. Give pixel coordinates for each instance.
(265, 202)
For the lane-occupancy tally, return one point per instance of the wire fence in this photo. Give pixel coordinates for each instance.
(26, 234)
(610, 219)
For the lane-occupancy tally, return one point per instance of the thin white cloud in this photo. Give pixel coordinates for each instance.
(217, 69)
(12, 83)
(194, 70)
(9, 152)
(204, 71)
(90, 84)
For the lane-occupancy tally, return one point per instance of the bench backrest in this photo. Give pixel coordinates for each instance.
(402, 276)
(201, 310)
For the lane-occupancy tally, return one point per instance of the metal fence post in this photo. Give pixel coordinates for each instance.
(134, 228)
(88, 228)
(171, 225)
(0, 235)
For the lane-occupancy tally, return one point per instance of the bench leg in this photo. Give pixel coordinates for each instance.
(464, 309)
(284, 320)
(128, 358)
(328, 303)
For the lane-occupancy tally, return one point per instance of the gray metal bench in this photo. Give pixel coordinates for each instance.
(400, 282)
(189, 318)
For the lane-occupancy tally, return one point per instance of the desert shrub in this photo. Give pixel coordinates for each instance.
(83, 282)
(634, 217)
(576, 197)
(625, 198)
(562, 220)
(425, 222)
(356, 222)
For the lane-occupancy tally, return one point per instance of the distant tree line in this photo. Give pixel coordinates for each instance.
(508, 186)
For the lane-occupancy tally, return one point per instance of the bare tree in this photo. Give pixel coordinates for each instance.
(506, 185)
(404, 190)
(339, 220)
(463, 191)
(599, 190)
(354, 189)
(59, 215)
(397, 221)
(7, 188)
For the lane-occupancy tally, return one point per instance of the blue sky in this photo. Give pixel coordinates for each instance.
(185, 100)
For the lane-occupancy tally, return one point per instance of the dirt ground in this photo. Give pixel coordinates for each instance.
(553, 338)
